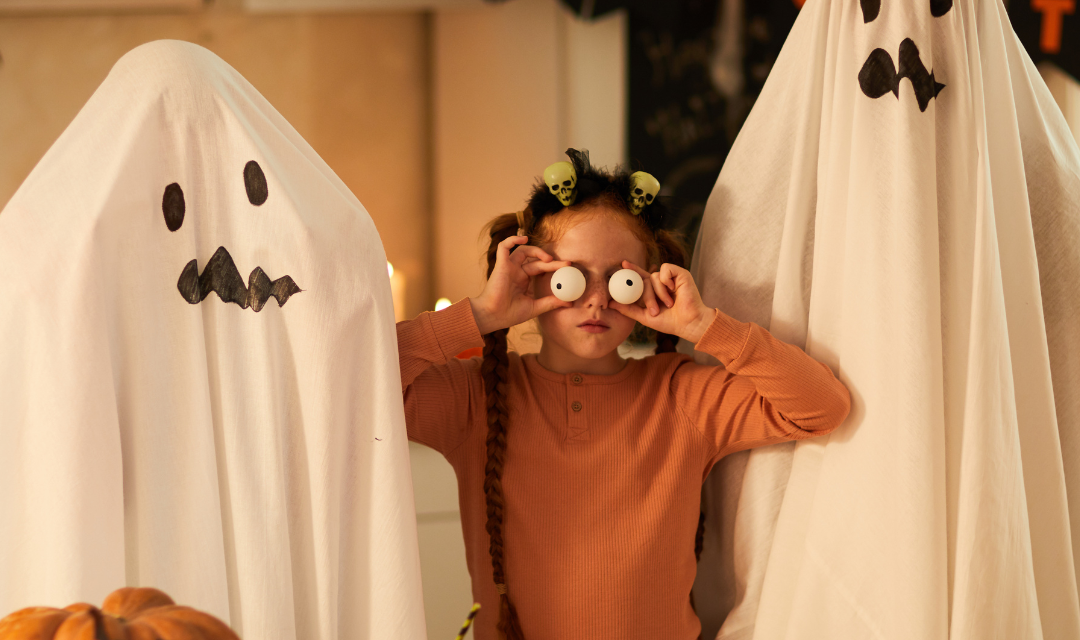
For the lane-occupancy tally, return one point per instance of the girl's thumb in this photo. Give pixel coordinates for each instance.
(549, 303)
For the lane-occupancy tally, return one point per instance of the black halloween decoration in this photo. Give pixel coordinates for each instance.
(255, 183)
(878, 76)
(870, 9)
(222, 277)
(939, 8)
(220, 274)
(172, 205)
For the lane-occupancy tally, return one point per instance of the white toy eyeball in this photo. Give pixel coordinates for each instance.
(567, 284)
(625, 286)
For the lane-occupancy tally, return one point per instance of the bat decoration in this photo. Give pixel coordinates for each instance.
(223, 278)
(878, 76)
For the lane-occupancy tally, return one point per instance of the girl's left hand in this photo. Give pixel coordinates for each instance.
(670, 303)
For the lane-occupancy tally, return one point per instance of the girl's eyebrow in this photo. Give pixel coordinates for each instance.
(607, 271)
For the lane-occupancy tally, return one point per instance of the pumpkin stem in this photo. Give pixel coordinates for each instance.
(99, 625)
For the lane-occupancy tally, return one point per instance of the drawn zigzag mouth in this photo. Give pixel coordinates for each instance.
(222, 277)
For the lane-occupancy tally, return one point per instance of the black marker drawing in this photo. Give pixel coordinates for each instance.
(939, 8)
(221, 275)
(870, 9)
(223, 278)
(255, 183)
(172, 206)
(878, 76)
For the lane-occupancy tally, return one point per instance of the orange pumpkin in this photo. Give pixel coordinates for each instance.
(127, 614)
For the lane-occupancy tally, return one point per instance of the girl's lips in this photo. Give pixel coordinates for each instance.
(593, 326)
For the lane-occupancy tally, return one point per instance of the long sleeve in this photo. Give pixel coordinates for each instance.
(768, 391)
(439, 390)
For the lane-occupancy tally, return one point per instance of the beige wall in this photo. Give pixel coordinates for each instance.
(354, 85)
(514, 86)
(496, 125)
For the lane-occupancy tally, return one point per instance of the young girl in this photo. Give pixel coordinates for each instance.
(579, 472)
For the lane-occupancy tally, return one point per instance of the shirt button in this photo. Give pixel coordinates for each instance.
(576, 378)
(576, 406)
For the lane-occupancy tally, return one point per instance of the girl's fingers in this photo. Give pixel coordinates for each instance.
(661, 289)
(537, 267)
(503, 252)
(626, 264)
(548, 303)
(648, 298)
(648, 295)
(667, 275)
(631, 311)
(529, 251)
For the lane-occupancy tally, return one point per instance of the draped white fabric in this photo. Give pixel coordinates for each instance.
(932, 259)
(249, 460)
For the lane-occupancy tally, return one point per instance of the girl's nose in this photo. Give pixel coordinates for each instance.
(596, 294)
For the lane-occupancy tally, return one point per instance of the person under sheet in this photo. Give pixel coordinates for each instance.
(198, 368)
(904, 200)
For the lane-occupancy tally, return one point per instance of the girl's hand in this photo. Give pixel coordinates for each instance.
(670, 303)
(507, 297)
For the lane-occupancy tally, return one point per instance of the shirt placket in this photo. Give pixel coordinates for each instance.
(576, 408)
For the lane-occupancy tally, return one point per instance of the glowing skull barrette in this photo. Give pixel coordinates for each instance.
(561, 179)
(643, 190)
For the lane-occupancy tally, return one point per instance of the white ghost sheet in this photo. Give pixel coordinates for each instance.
(924, 241)
(198, 370)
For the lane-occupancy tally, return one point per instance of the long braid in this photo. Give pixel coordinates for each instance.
(495, 374)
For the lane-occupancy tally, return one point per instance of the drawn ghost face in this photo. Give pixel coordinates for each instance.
(220, 274)
(879, 75)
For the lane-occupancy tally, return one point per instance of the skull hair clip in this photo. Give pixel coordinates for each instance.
(643, 190)
(561, 179)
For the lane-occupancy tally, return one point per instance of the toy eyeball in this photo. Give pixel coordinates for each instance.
(625, 286)
(567, 284)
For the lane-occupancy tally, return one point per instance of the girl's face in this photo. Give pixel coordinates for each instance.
(589, 330)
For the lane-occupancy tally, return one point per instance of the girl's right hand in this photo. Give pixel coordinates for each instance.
(507, 298)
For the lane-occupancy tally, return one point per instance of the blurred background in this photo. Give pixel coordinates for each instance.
(440, 114)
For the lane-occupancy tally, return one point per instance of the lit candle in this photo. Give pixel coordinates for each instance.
(397, 290)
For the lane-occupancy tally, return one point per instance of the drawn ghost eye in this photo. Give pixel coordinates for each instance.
(625, 286)
(567, 284)
(255, 183)
(172, 206)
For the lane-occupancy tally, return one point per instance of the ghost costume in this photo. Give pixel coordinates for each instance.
(904, 201)
(198, 368)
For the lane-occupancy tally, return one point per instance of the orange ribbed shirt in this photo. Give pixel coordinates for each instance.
(602, 478)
